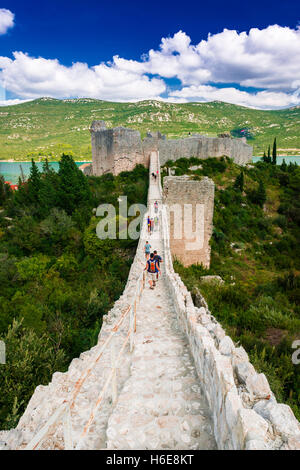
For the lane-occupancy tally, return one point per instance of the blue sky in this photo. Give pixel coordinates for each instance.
(67, 48)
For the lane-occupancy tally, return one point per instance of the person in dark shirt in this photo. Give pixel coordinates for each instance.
(152, 269)
(159, 260)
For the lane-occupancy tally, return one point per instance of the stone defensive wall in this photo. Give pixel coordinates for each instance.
(121, 149)
(203, 147)
(244, 410)
(115, 150)
(80, 387)
(246, 415)
(190, 204)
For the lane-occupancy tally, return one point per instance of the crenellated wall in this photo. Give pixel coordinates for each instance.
(190, 204)
(121, 149)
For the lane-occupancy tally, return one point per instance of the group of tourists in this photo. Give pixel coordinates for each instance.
(152, 224)
(153, 260)
(154, 175)
(152, 265)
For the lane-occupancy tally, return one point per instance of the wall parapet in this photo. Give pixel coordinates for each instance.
(118, 149)
(245, 412)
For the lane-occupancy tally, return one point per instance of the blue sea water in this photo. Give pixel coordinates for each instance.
(288, 159)
(11, 170)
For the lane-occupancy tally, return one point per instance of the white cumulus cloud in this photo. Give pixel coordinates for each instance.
(265, 59)
(6, 20)
(29, 77)
(262, 99)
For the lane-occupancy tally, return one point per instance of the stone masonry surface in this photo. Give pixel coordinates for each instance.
(121, 149)
(184, 386)
(180, 193)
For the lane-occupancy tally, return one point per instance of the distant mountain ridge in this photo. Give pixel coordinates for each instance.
(49, 126)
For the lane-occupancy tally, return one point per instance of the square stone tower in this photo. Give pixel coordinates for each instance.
(190, 207)
(116, 149)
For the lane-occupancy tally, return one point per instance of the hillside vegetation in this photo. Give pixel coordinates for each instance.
(57, 277)
(49, 127)
(256, 251)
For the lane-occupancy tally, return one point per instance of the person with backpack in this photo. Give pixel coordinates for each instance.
(147, 249)
(152, 269)
(148, 224)
(158, 260)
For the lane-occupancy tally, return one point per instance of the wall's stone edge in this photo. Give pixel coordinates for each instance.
(47, 398)
(245, 412)
(120, 148)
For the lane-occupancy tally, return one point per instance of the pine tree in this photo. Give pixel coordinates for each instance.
(265, 157)
(239, 182)
(3, 191)
(269, 154)
(283, 165)
(74, 190)
(261, 194)
(46, 167)
(274, 152)
(34, 182)
(49, 192)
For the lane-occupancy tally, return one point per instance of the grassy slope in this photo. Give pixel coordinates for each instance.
(49, 126)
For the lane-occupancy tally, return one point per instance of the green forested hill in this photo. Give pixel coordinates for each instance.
(50, 127)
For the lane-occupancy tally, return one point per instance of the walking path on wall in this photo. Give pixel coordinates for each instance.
(160, 406)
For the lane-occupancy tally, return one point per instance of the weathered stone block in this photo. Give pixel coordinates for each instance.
(244, 370)
(226, 346)
(250, 424)
(256, 444)
(258, 386)
(281, 417)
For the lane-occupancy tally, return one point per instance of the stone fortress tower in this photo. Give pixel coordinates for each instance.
(190, 207)
(189, 203)
(121, 149)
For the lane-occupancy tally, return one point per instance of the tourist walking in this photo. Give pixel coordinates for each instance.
(147, 249)
(152, 269)
(151, 225)
(148, 224)
(159, 260)
(156, 207)
(156, 220)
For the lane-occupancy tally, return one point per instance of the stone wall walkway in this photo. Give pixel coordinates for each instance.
(160, 405)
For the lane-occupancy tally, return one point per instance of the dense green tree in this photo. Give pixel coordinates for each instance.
(274, 152)
(30, 361)
(261, 193)
(283, 165)
(48, 194)
(239, 182)
(3, 190)
(74, 189)
(34, 182)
